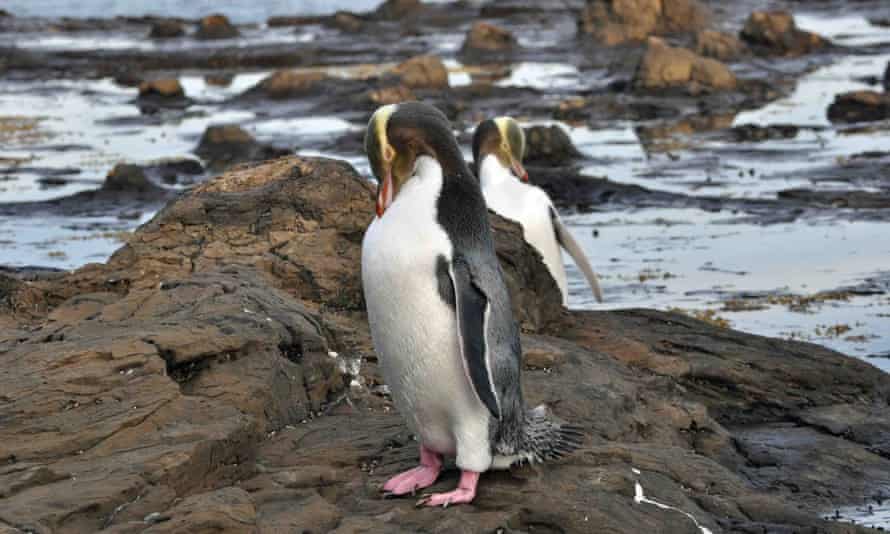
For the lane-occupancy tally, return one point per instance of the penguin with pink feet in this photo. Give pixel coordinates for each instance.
(440, 313)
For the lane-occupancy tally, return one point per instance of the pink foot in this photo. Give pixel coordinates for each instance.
(465, 492)
(420, 477)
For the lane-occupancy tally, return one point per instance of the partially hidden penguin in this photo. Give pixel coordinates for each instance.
(498, 149)
(440, 314)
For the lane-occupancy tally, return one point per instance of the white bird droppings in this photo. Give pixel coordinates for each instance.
(640, 498)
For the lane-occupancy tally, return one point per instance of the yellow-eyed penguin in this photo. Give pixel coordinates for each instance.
(498, 149)
(440, 313)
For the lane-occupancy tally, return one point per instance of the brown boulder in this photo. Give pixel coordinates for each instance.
(422, 72)
(392, 94)
(166, 29)
(549, 145)
(226, 145)
(718, 45)
(665, 66)
(859, 106)
(485, 37)
(617, 21)
(776, 33)
(347, 22)
(287, 83)
(163, 88)
(216, 27)
(397, 9)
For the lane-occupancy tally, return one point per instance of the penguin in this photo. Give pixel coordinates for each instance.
(440, 314)
(498, 149)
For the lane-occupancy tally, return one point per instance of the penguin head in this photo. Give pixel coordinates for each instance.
(397, 135)
(503, 138)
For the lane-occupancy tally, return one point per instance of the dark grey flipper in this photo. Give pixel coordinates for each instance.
(472, 308)
(566, 241)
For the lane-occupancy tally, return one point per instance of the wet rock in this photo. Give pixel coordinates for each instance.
(839, 199)
(219, 80)
(5, 14)
(776, 33)
(166, 29)
(549, 145)
(859, 106)
(388, 95)
(125, 177)
(165, 88)
(216, 27)
(287, 84)
(614, 22)
(397, 9)
(718, 45)
(128, 78)
(484, 37)
(422, 72)
(225, 145)
(347, 21)
(665, 66)
(748, 133)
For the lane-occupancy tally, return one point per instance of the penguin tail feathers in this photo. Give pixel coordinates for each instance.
(545, 439)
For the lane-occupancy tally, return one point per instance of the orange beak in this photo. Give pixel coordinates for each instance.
(384, 193)
(519, 171)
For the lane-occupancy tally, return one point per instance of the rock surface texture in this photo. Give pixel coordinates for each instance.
(614, 22)
(665, 66)
(216, 374)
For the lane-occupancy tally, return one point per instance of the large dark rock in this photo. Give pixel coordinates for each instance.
(614, 22)
(549, 145)
(161, 89)
(166, 29)
(217, 374)
(288, 83)
(776, 33)
(485, 41)
(422, 72)
(226, 145)
(397, 9)
(859, 106)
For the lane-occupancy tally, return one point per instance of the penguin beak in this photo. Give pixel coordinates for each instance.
(519, 170)
(384, 193)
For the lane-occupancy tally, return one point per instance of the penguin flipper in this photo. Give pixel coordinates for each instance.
(472, 307)
(566, 241)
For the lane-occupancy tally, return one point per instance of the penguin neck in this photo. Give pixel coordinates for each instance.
(492, 173)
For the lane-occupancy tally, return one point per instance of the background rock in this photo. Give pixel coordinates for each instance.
(166, 29)
(859, 106)
(776, 33)
(665, 66)
(216, 27)
(226, 145)
(718, 45)
(422, 72)
(485, 37)
(613, 22)
(162, 88)
(549, 145)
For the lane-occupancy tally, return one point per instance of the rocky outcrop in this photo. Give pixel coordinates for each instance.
(549, 145)
(216, 27)
(614, 22)
(397, 9)
(859, 106)
(288, 83)
(217, 374)
(421, 72)
(487, 41)
(166, 29)
(226, 145)
(776, 33)
(664, 66)
(718, 45)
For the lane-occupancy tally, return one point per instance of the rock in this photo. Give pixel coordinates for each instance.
(838, 199)
(859, 106)
(128, 78)
(748, 133)
(347, 21)
(389, 95)
(422, 72)
(216, 27)
(163, 88)
(718, 45)
(219, 79)
(549, 145)
(202, 379)
(125, 177)
(614, 22)
(166, 29)
(226, 145)
(776, 33)
(397, 9)
(287, 84)
(485, 37)
(5, 14)
(665, 66)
